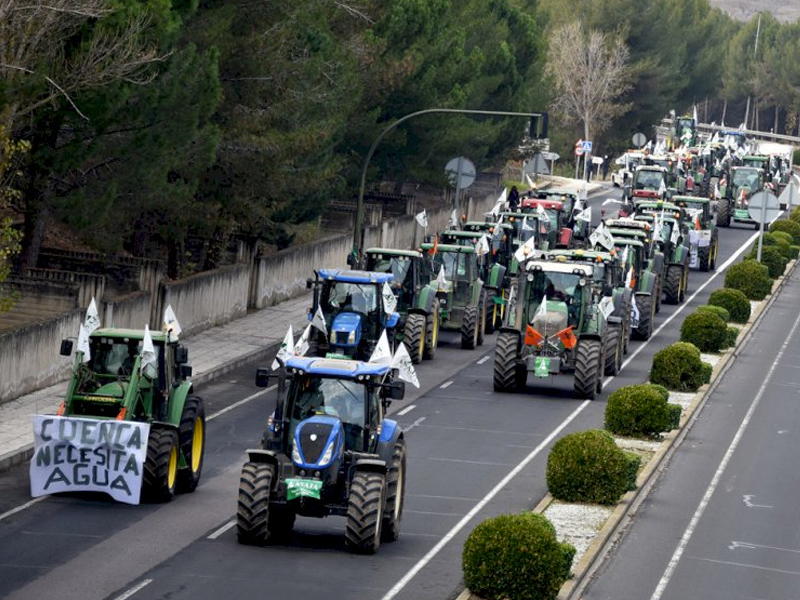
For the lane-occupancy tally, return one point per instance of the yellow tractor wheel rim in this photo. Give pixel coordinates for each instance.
(172, 469)
(197, 444)
(421, 345)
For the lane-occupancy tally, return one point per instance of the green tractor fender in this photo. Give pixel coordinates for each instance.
(657, 262)
(680, 255)
(477, 288)
(496, 277)
(646, 283)
(594, 325)
(425, 300)
(177, 402)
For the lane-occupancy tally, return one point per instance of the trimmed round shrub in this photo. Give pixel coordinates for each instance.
(587, 466)
(678, 367)
(516, 556)
(773, 258)
(794, 252)
(784, 241)
(705, 330)
(720, 311)
(730, 337)
(750, 277)
(633, 462)
(734, 301)
(787, 226)
(640, 411)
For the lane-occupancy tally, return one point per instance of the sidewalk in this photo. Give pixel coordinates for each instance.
(212, 353)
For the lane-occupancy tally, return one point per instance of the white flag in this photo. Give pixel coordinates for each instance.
(453, 222)
(382, 353)
(694, 113)
(541, 313)
(525, 226)
(530, 181)
(318, 322)
(302, 345)
(422, 219)
(542, 213)
(628, 277)
(389, 300)
(602, 236)
(662, 189)
(606, 307)
(405, 368)
(441, 280)
(717, 193)
(148, 350)
(624, 258)
(171, 324)
(526, 250)
(92, 320)
(83, 343)
(634, 312)
(675, 233)
(482, 246)
(286, 350)
(585, 215)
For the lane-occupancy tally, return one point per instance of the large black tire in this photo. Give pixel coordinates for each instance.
(658, 290)
(724, 212)
(490, 315)
(192, 434)
(160, 475)
(587, 368)
(704, 258)
(482, 316)
(626, 324)
(431, 332)
(395, 494)
(365, 513)
(414, 336)
(506, 355)
(714, 251)
(685, 284)
(613, 349)
(469, 328)
(644, 329)
(252, 513)
(672, 284)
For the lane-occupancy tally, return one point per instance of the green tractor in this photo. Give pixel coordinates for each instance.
(417, 303)
(554, 325)
(703, 232)
(328, 449)
(737, 188)
(643, 281)
(117, 381)
(462, 299)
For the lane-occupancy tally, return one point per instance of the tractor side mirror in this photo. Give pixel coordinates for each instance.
(608, 289)
(309, 283)
(397, 390)
(66, 348)
(181, 355)
(185, 371)
(262, 377)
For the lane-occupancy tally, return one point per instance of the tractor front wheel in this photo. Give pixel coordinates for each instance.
(506, 356)
(365, 512)
(414, 336)
(587, 368)
(252, 514)
(160, 475)
(192, 433)
(613, 350)
(645, 327)
(469, 328)
(395, 494)
(481, 318)
(672, 284)
(431, 332)
(704, 258)
(724, 212)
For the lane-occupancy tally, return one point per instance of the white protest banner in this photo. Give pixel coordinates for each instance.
(83, 342)
(606, 307)
(405, 368)
(286, 351)
(88, 455)
(389, 300)
(302, 345)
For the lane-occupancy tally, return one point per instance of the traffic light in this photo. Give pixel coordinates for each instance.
(538, 126)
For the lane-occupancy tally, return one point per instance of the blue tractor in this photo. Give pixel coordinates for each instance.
(355, 312)
(328, 450)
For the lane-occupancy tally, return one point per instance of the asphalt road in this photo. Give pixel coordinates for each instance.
(722, 520)
(472, 454)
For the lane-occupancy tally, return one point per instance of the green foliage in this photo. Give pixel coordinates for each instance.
(772, 257)
(678, 367)
(11, 153)
(751, 278)
(730, 337)
(704, 329)
(633, 462)
(639, 411)
(787, 226)
(516, 556)
(721, 312)
(587, 467)
(734, 301)
(795, 252)
(784, 241)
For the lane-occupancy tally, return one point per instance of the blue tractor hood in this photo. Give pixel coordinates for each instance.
(318, 442)
(345, 324)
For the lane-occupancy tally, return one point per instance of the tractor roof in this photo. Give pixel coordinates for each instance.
(622, 241)
(335, 367)
(556, 191)
(134, 334)
(350, 276)
(560, 265)
(649, 217)
(625, 223)
(628, 232)
(457, 233)
(543, 202)
(394, 252)
(479, 224)
(449, 248)
(581, 255)
(690, 200)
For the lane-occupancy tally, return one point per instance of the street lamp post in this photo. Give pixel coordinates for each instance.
(358, 229)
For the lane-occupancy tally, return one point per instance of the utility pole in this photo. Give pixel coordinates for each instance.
(755, 49)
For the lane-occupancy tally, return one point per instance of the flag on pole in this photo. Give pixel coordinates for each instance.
(318, 322)
(148, 350)
(530, 181)
(634, 312)
(171, 325)
(532, 337)
(382, 353)
(630, 279)
(389, 300)
(302, 345)
(92, 320)
(286, 350)
(525, 226)
(422, 219)
(526, 250)
(405, 368)
(542, 213)
(662, 189)
(453, 221)
(567, 338)
(541, 313)
(83, 342)
(585, 215)
(602, 236)
(482, 246)
(441, 280)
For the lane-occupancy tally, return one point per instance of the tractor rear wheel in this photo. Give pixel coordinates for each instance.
(587, 368)
(714, 250)
(469, 328)
(672, 284)
(192, 433)
(658, 291)
(481, 318)
(252, 513)
(704, 258)
(613, 350)
(645, 327)
(724, 212)
(685, 283)
(395, 494)
(160, 475)
(492, 312)
(365, 512)
(431, 332)
(506, 356)
(414, 336)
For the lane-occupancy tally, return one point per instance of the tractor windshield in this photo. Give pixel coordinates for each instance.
(557, 289)
(114, 357)
(341, 398)
(344, 296)
(403, 283)
(745, 177)
(648, 180)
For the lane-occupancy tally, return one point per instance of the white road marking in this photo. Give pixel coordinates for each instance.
(443, 497)
(407, 410)
(415, 423)
(747, 502)
(484, 359)
(221, 530)
(241, 402)
(134, 589)
(446, 384)
(735, 564)
(438, 514)
(748, 546)
(431, 554)
(470, 462)
(687, 534)
(21, 507)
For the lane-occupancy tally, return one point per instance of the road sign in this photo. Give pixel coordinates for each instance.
(586, 145)
(461, 172)
(579, 148)
(639, 139)
(535, 165)
(763, 207)
(789, 196)
(550, 156)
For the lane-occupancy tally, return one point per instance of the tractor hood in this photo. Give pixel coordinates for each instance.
(318, 443)
(346, 330)
(112, 390)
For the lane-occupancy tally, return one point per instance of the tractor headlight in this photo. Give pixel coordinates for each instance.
(296, 458)
(351, 339)
(326, 457)
(333, 336)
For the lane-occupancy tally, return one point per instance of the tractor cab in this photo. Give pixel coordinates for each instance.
(743, 183)
(649, 182)
(553, 214)
(404, 266)
(354, 310)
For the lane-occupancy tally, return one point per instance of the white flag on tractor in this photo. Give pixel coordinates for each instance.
(302, 345)
(526, 250)
(675, 233)
(662, 189)
(629, 277)
(602, 236)
(389, 300)
(148, 350)
(83, 342)
(542, 213)
(541, 313)
(92, 320)
(453, 222)
(634, 312)
(422, 219)
(482, 246)
(318, 322)
(624, 257)
(286, 350)
(585, 215)
(171, 324)
(405, 368)
(382, 353)
(525, 226)
(441, 280)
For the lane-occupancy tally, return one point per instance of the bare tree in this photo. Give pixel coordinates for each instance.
(590, 73)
